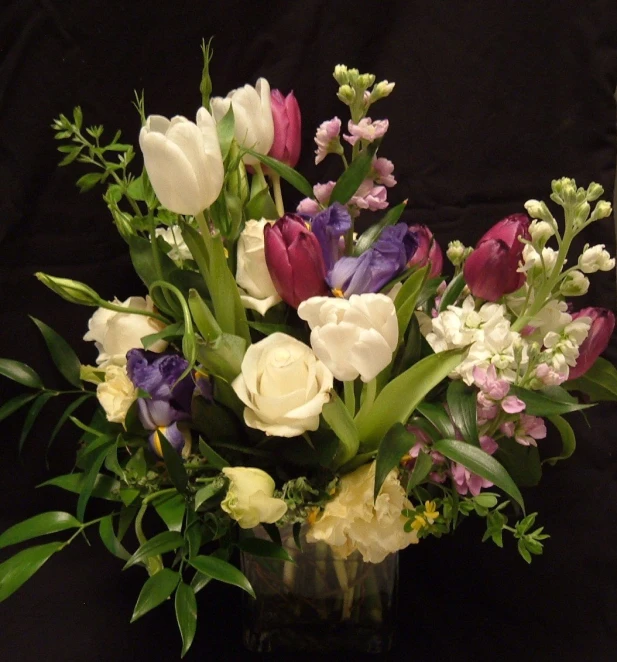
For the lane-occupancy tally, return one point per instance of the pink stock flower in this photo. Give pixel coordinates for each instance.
(464, 480)
(366, 129)
(287, 127)
(512, 405)
(322, 194)
(549, 376)
(529, 429)
(383, 169)
(326, 138)
(602, 326)
(489, 384)
(369, 196)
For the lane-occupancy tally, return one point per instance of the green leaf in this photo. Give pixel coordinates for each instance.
(223, 357)
(89, 181)
(420, 471)
(171, 508)
(61, 353)
(225, 130)
(174, 464)
(568, 439)
(481, 463)
(175, 330)
(207, 492)
(12, 405)
(290, 175)
(452, 292)
(20, 373)
(159, 544)
(599, 382)
(349, 182)
(108, 537)
(265, 548)
(105, 487)
(338, 417)
(438, 417)
(211, 566)
(66, 415)
(462, 403)
(141, 255)
(370, 236)
(32, 415)
(521, 462)
(396, 443)
(216, 460)
(95, 462)
(186, 614)
(405, 301)
(550, 401)
(267, 329)
(401, 396)
(39, 525)
(261, 206)
(155, 591)
(19, 568)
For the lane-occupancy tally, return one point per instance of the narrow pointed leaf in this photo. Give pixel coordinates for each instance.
(225, 131)
(438, 417)
(338, 417)
(109, 539)
(174, 464)
(90, 477)
(405, 301)
(599, 382)
(290, 175)
(39, 525)
(207, 492)
(216, 460)
(568, 439)
(155, 591)
(186, 615)
(462, 404)
(161, 543)
(397, 442)
(12, 405)
(420, 471)
(349, 182)
(370, 236)
(452, 292)
(265, 548)
(170, 508)
(222, 571)
(551, 401)
(105, 487)
(68, 412)
(32, 415)
(61, 352)
(20, 372)
(19, 568)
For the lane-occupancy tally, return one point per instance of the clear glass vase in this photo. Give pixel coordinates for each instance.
(320, 602)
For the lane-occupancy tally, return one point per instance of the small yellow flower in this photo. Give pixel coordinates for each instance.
(418, 523)
(430, 511)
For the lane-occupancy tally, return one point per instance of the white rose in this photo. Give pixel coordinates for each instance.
(596, 259)
(173, 236)
(115, 333)
(254, 127)
(354, 336)
(283, 385)
(249, 498)
(252, 273)
(352, 521)
(116, 394)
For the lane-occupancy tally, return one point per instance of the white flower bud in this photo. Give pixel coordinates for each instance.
(456, 252)
(365, 81)
(541, 231)
(534, 208)
(574, 284)
(340, 74)
(382, 90)
(346, 94)
(602, 210)
(594, 191)
(595, 259)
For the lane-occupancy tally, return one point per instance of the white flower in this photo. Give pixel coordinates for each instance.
(574, 284)
(541, 231)
(115, 333)
(183, 161)
(173, 236)
(254, 127)
(562, 346)
(532, 260)
(252, 272)
(283, 385)
(456, 252)
(351, 521)
(354, 336)
(595, 259)
(116, 394)
(249, 498)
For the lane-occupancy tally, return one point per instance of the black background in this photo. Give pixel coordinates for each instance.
(493, 100)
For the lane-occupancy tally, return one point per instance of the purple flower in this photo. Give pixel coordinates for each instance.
(322, 193)
(329, 226)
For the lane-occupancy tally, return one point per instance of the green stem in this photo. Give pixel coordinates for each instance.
(132, 311)
(350, 397)
(278, 196)
(81, 529)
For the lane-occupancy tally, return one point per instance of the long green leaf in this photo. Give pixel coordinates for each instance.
(452, 292)
(32, 415)
(68, 412)
(171, 508)
(599, 382)
(90, 477)
(290, 175)
(438, 417)
(370, 236)
(214, 459)
(462, 405)
(349, 182)
(521, 462)
(396, 443)
(551, 401)
(109, 539)
(420, 471)
(105, 487)
(61, 352)
(225, 131)
(186, 614)
(19, 568)
(12, 405)
(20, 373)
(264, 548)
(568, 440)
(174, 464)
(401, 396)
(406, 299)
(159, 544)
(211, 566)
(223, 357)
(205, 493)
(155, 591)
(338, 417)
(481, 463)
(39, 525)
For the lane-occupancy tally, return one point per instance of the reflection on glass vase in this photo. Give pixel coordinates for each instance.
(320, 602)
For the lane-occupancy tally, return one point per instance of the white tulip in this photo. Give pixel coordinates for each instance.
(283, 385)
(116, 394)
(252, 273)
(254, 127)
(249, 499)
(355, 336)
(183, 161)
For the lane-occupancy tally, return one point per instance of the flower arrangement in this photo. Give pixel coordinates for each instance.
(283, 369)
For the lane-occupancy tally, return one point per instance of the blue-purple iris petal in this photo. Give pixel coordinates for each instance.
(173, 435)
(329, 226)
(204, 385)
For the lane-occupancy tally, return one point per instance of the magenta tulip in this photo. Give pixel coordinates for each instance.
(491, 270)
(602, 326)
(428, 250)
(294, 260)
(287, 124)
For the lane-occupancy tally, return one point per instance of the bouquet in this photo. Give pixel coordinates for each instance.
(283, 369)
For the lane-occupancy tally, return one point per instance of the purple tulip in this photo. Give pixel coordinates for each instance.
(287, 125)
(428, 252)
(294, 260)
(491, 270)
(602, 326)
(329, 226)
(169, 402)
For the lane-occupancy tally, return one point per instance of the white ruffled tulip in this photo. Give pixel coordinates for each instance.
(252, 273)
(115, 333)
(355, 336)
(283, 385)
(254, 127)
(249, 499)
(116, 394)
(183, 161)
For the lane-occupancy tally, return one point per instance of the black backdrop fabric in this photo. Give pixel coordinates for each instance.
(492, 101)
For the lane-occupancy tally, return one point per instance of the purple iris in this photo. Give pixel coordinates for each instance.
(169, 403)
(329, 226)
(376, 266)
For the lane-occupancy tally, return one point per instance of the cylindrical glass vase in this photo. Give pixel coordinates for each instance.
(319, 603)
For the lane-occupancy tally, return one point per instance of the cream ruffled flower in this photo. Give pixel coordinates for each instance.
(116, 394)
(352, 521)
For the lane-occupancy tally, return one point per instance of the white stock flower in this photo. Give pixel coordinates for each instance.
(173, 236)
(116, 394)
(115, 333)
(595, 258)
(254, 126)
(541, 231)
(562, 345)
(283, 385)
(183, 161)
(532, 260)
(249, 499)
(354, 336)
(252, 273)
(351, 521)
(574, 284)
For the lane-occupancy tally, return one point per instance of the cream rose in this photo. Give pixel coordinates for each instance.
(352, 521)
(249, 499)
(354, 336)
(252, 273)
(283, 385)
(115, 333)
(116, 394)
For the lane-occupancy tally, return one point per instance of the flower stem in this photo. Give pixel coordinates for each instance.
(350, 397)
(132, 311)
(278, 196)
